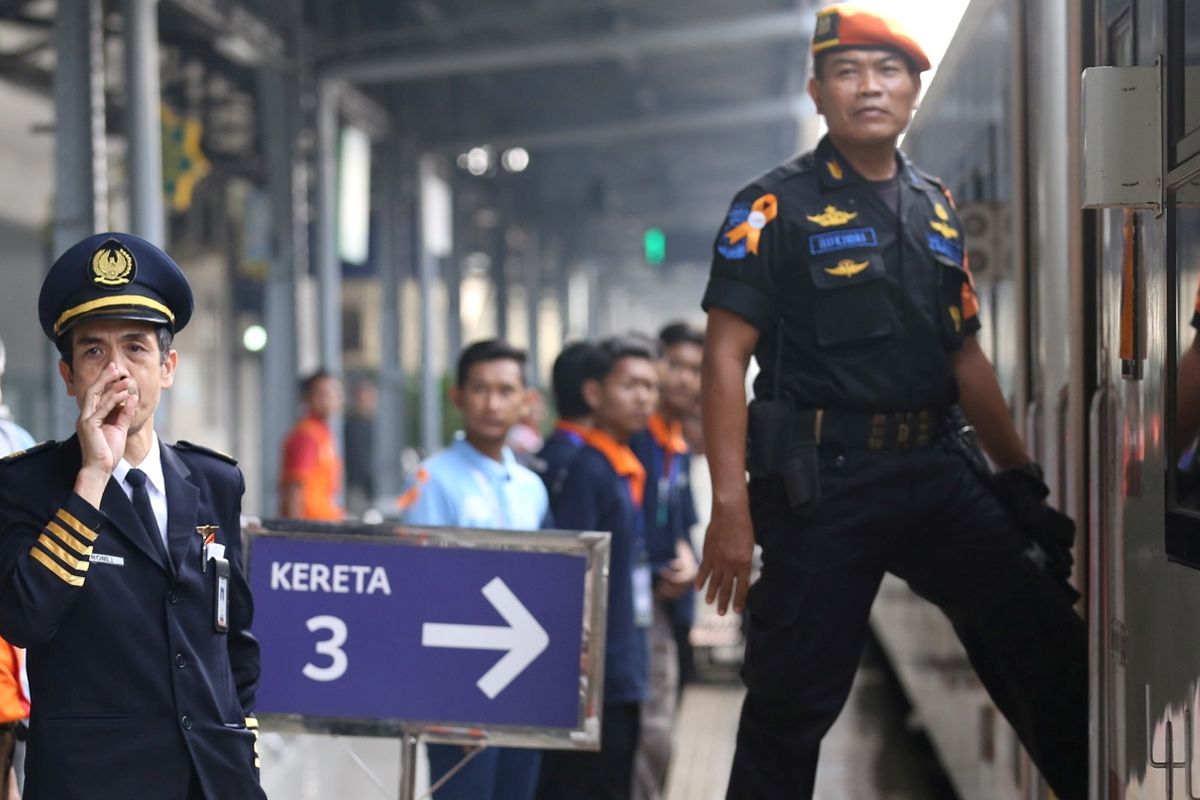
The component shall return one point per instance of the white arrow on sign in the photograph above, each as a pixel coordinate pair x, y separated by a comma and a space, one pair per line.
523, 638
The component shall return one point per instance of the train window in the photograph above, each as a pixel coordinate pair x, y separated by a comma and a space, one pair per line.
1121, 40
1183, 62
1183, 428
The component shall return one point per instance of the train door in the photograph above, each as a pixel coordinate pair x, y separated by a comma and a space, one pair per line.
1116, 440
1145, 522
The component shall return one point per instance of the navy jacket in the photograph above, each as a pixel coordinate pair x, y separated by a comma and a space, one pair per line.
133, 688
669, 514
593, 497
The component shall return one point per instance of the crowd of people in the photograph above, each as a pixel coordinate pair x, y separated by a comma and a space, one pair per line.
121, 555
617, 459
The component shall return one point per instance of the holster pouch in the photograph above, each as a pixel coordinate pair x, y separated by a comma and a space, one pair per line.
779, 444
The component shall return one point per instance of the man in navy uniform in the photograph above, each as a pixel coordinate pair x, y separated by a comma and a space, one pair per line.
574, 416
843, 271
120, 557
602, 490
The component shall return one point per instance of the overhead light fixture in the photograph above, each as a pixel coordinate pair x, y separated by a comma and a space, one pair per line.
254, 338
515, 159
478, 160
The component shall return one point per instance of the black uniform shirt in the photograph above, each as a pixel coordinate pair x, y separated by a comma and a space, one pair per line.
858, 309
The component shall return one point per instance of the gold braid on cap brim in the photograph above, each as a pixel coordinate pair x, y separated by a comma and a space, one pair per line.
108, 302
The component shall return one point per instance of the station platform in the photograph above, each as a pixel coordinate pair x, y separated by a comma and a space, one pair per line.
870, 754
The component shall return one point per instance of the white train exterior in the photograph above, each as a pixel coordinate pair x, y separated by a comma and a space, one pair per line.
1087, 312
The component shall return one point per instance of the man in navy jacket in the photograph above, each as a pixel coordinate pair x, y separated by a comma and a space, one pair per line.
120, 558
602, 491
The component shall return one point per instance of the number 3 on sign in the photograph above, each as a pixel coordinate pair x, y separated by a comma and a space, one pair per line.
331, 647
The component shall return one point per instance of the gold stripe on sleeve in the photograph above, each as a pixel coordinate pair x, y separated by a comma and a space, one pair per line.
78, 564
48, 562
83, 530
69, 539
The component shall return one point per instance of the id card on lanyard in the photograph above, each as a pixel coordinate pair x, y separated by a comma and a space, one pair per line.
662, 510
643, 591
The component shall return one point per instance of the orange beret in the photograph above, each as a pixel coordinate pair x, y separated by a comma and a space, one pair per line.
847, 25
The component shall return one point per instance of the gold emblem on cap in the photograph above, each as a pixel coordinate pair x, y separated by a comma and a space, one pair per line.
832, 216
112, 264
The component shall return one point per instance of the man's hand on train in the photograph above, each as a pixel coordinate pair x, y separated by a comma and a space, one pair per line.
728, 548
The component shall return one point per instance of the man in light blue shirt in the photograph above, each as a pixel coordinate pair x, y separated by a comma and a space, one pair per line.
13, 437
476, 482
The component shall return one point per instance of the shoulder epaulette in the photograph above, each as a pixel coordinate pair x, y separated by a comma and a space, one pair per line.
206, 451
20, 454
932, 179
789, 169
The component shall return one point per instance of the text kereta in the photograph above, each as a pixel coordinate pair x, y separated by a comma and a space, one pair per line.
299, 576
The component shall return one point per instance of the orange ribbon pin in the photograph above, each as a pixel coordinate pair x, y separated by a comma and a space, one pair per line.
762, 211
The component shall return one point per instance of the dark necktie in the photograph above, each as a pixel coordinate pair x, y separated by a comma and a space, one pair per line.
141, 505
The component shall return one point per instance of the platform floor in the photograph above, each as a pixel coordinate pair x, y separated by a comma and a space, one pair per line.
869, 755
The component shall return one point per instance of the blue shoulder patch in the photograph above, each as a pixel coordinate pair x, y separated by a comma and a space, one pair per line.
738, 213
940, 244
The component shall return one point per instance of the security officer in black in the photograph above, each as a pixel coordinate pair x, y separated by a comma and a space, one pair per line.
120, 558
843, 272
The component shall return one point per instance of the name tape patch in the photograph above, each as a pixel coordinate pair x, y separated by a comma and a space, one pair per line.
821, 243
103, 558
940, 244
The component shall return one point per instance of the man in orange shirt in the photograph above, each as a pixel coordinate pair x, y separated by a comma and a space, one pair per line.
312, 468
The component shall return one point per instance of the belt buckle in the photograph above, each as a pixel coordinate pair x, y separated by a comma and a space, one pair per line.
903, 427
877, 437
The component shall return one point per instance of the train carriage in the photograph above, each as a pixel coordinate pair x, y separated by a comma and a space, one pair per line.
1090, 311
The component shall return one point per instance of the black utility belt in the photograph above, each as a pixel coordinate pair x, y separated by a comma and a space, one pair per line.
895, 430
784, 441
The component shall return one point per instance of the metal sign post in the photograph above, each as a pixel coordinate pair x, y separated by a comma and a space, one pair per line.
445, 634
408, 767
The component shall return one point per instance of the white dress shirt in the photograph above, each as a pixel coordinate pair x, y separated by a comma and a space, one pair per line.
156, 485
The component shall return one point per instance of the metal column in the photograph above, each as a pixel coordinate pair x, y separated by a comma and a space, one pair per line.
279, 362
596, 300
452, 275
142, 121
429, 266
563, 288
81, 167
329, 272
328, 269
390, 414
500, 280
533, 299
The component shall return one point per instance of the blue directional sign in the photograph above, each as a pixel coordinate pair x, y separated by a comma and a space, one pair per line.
430, 629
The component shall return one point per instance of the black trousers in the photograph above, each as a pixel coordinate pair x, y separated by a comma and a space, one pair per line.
924, 516
603, 775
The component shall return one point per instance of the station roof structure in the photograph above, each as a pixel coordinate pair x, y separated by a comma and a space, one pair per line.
634, 114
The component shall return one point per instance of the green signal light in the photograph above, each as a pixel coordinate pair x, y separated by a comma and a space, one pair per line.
654, 244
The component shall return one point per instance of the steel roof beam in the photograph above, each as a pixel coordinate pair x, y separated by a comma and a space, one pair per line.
699, 123
748, 29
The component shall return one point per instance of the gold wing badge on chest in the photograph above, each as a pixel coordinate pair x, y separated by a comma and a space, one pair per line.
847, 268
832, 216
